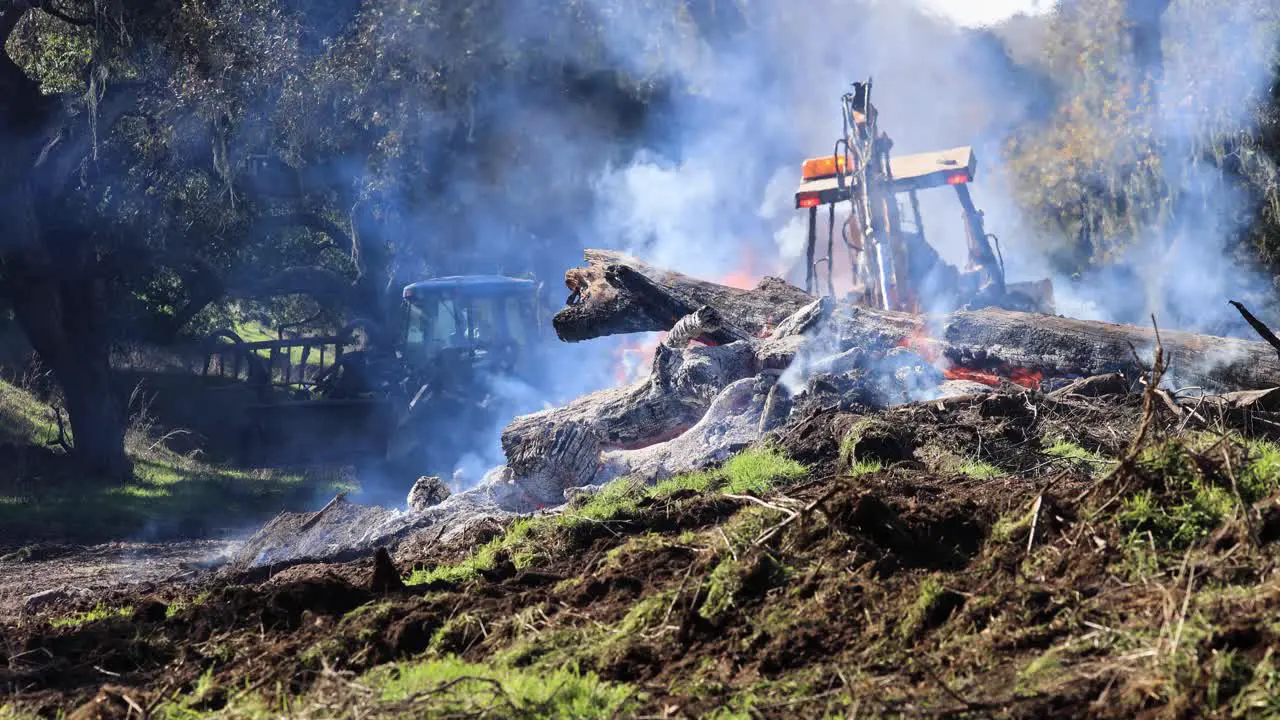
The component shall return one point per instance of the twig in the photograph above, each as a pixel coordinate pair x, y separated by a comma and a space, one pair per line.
1035, 522
680, 589
1254, 536
945, 687
134, 706
761, 503
727, 544
1182, 618
767, 534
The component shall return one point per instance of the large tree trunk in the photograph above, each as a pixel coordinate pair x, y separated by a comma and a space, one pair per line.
45, 272
64, 321
622, 295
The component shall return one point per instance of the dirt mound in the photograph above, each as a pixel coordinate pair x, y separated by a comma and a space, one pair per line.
1002, 555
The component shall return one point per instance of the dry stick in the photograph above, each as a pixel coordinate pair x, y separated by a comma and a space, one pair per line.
1035, 522
766, 535
1182, 619
1148, 413
680, 589
761, 503
1258, 326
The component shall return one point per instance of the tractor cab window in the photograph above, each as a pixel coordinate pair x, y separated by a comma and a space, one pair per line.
416, 330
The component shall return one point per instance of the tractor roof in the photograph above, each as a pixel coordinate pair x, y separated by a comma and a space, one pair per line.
469, 285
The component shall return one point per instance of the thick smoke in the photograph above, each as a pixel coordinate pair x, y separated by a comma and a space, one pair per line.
775, 92
705, 186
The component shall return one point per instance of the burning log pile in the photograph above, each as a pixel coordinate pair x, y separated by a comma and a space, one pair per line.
765, 355
739, 365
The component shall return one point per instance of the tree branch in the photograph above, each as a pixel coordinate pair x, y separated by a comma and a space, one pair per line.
326, 286
308, 220
47, 6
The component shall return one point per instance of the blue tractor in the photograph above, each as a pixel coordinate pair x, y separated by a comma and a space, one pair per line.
405, 398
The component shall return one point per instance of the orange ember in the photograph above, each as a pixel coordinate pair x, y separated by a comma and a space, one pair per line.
1029, 379
920, 343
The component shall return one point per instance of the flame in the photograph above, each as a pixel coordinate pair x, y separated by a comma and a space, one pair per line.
926, 347
633, 359
746, 275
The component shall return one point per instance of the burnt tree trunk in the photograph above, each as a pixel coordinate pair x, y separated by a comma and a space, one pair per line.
617, 294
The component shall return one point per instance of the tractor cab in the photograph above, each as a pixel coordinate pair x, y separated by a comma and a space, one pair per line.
486, 321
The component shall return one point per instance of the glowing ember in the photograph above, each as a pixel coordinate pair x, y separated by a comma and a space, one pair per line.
921, 344
1029, 379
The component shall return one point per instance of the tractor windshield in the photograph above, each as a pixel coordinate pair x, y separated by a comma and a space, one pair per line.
438, 322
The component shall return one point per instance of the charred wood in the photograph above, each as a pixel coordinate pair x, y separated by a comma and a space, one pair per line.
616, 294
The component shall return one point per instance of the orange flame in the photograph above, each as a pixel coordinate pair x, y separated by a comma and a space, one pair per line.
926, 347
633, 359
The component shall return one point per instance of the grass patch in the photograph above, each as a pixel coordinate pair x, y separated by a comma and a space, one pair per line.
933, 605
170, 495
526, 540
754, 471
978, 470
1185, 508
1076, 455
100, 612
176, 607
865, 467
451, 686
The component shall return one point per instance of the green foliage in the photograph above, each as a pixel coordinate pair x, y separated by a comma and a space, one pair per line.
1080, 457
865, 467
978, 469
1186, 506
723, 584
167, 488
1102, 171
928, 601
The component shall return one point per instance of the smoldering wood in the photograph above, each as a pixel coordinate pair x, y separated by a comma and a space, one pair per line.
620, 295
617, 294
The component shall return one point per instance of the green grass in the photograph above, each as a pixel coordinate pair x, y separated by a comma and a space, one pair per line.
930, 593
24, 419
176, 607
458, 687
101, 612
1079, 456
1187, 506
252, 331
171, 493
753, 471
978, 470
865, 467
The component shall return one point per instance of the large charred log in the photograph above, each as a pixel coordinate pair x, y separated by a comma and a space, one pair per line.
617, 294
